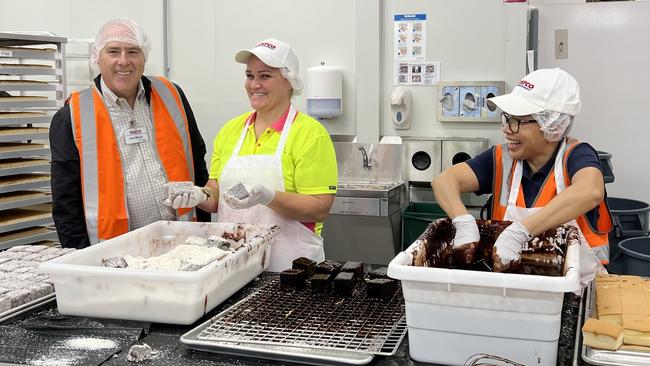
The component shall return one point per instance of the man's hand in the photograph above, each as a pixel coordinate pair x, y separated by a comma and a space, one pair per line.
184, 195
507, 248
466, 230
258, 195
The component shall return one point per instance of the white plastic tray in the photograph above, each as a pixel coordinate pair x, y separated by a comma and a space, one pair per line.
84, 287
454, 314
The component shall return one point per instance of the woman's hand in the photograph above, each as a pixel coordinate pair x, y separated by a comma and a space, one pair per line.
258, 195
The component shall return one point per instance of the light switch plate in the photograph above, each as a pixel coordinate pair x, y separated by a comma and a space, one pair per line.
561, 44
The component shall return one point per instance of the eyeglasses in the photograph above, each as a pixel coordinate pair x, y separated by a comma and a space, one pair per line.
513, 123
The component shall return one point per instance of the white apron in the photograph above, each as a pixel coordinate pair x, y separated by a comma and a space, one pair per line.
294, 239
589, 263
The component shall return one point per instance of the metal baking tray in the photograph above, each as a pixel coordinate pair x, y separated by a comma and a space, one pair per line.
25, 308
279, 353
603, 357
307, 327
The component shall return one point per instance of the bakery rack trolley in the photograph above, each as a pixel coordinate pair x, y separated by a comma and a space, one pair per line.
32, 88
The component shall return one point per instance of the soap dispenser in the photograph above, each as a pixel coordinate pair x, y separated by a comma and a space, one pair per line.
400, 108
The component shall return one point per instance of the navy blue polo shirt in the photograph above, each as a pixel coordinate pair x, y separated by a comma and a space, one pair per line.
582, 156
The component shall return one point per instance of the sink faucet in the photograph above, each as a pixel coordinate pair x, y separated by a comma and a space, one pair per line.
366, 162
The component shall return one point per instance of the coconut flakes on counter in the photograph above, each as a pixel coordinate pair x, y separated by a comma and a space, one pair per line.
90, 343
140, 352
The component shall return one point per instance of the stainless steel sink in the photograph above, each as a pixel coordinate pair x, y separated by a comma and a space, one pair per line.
368, 189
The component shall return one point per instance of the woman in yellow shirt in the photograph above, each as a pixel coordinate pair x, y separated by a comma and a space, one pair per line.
283, 157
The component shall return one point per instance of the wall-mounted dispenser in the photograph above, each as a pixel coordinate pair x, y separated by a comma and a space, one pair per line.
324, 91
465, 101
400, 108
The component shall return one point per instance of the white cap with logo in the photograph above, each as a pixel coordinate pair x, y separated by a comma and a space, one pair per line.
542, 90
276, 54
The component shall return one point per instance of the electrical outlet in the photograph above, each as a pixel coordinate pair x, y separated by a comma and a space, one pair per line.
561, 44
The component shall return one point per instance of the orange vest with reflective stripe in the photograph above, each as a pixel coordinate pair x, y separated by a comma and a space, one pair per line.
502, 181
103, 186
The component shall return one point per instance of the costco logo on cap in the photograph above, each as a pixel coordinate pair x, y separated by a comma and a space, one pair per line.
266, 44
526, 85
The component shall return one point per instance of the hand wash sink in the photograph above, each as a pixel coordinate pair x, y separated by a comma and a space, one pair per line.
368, 189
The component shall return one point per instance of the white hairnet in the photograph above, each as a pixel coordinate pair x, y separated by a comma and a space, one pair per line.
555, 125
120, 30
293, 79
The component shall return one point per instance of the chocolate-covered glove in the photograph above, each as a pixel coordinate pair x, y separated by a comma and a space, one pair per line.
507, 248
184, 195
466, 230
258, 195
466, 240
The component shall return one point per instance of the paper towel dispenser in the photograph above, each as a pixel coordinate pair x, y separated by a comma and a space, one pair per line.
324, 91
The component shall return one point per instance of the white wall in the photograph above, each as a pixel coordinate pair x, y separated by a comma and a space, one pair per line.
82, 19
475, 40
206, 35
609, 55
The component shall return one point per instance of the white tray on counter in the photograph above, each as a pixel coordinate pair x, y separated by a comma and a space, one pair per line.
84, 287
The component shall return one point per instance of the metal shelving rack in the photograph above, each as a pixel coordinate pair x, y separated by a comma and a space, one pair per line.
33, 87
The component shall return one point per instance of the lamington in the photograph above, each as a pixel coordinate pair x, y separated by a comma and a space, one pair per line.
382, 288
328, 267
306, 264
354, 267
378, 273
292, 279
344, 283
321, 282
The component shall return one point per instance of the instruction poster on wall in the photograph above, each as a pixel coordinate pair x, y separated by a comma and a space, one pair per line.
410, 37
416, 73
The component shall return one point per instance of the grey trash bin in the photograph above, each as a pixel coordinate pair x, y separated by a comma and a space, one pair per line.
635, 256
630, 219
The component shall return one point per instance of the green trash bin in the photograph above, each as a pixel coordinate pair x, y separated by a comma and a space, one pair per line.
415, 219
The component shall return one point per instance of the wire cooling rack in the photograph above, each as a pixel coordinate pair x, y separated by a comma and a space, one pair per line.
307, 319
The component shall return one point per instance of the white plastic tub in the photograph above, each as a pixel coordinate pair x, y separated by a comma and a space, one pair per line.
84, 287
453, 315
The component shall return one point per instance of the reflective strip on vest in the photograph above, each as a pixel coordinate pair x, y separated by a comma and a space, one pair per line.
171, 126
102, 176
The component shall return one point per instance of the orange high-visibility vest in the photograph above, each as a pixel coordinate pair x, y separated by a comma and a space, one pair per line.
102, 176
503, 169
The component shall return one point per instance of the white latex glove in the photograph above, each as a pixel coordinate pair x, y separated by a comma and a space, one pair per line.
186, 197
507, 248
258, 195
589, 265
466, 230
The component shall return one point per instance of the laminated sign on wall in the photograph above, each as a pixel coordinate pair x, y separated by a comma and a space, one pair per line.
410, 37
416, 73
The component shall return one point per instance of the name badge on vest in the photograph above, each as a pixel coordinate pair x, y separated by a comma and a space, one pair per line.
136, 135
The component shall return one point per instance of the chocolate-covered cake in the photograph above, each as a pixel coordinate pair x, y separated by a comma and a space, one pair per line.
543, 255
381, 272
328, 267
344, 283
306, 264
292, 278
382, 288
354, 267
321, 282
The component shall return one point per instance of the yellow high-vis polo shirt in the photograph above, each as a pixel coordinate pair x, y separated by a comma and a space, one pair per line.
308, 159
